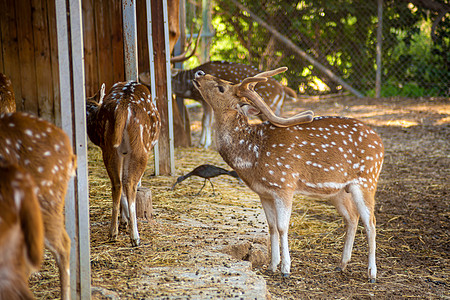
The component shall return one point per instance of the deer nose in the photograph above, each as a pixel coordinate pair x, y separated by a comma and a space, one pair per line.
199, 73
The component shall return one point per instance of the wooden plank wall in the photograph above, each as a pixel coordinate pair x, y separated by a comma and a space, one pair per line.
103, 42
28, 50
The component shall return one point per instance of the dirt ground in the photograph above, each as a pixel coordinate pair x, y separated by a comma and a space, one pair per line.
412, 210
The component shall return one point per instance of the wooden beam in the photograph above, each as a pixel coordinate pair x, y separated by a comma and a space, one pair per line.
72, 90
130, 39
164, 103
379, 42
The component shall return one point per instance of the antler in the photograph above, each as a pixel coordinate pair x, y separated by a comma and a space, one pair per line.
246, 89
183, 56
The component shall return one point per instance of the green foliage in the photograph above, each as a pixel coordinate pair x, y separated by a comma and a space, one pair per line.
410, 89
341, 35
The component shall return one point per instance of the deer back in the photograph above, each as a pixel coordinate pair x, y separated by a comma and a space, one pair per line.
322, 156
126, 108
7, 98
42, 149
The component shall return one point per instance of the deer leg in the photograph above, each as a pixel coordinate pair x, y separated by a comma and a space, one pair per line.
283, 213
271, 216
364, 201
130, 190
347, 209
58, 242
124, 212
113, 163
134, 167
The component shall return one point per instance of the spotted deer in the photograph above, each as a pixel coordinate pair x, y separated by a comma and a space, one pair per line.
7, 98
271, 91
125, 124
21, 231
333, 158
45, 152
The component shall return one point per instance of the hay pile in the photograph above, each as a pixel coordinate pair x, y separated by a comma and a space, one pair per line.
413, 217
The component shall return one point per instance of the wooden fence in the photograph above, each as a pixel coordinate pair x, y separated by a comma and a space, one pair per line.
29, 53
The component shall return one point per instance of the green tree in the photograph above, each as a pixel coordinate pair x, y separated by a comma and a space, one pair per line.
341, 35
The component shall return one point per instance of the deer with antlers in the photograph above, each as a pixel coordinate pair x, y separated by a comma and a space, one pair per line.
271, 91
45, 152
334, 158
125, 124
21, 231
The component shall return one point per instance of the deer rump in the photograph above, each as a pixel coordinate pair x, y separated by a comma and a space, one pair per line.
129, 144
120, 122
125, 125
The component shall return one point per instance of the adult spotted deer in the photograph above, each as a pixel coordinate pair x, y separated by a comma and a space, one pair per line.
45, 152
334, 158
7, 99
125, 124
271, 91
21, 231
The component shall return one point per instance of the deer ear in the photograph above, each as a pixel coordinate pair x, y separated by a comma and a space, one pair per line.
174, 72
102, 94
144, 78
248, 110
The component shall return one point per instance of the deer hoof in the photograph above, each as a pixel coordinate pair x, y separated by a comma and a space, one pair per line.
123, 226
285, 275
134, 243
372, 280
338, 269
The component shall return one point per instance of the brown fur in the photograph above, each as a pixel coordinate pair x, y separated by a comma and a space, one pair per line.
273, 92
21, 231
334, 158
125, 125
45, 151
7, 98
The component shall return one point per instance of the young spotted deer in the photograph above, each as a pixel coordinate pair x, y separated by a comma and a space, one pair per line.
334, 158
125, 124
271, 91
45, 152
21, 231
7, 99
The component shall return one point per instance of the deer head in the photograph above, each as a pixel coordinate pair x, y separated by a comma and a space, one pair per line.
243, 98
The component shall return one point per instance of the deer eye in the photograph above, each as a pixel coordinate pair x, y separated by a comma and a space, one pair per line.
221, 89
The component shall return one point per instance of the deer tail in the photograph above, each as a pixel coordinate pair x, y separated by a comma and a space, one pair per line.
121, 116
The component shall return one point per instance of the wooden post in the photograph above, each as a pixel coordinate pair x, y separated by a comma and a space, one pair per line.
207, 31
179, 48
73, 116
130, 39
379, 41
164, 103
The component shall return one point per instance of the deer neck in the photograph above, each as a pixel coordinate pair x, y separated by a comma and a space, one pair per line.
238, 142
92, 120
182, 83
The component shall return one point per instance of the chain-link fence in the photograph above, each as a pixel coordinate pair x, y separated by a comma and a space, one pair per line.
331, 46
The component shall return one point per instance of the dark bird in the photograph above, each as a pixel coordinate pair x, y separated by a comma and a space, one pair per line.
206, 171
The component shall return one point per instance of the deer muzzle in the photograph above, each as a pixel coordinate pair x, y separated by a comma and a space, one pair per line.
198, 74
